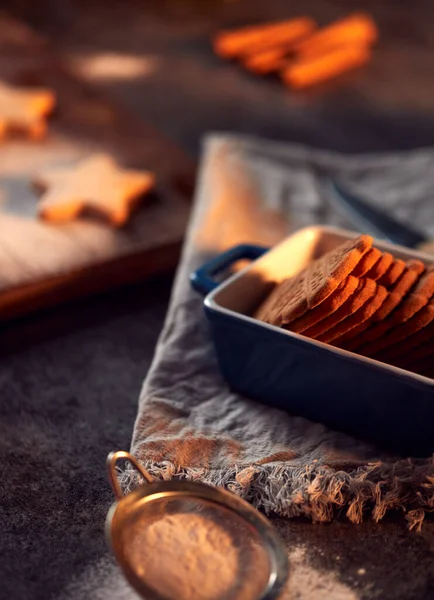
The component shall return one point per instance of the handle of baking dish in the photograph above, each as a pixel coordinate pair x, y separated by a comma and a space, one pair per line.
202, 280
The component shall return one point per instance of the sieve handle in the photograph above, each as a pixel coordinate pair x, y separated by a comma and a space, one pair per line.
112, 459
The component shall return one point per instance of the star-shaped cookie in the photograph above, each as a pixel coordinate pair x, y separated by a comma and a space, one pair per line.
25, 110
96, 184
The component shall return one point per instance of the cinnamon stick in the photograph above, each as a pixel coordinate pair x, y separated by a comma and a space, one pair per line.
247, 40
305, 73
267, 61
358, 29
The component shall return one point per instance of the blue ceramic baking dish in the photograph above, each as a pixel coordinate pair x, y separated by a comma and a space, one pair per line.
366, 398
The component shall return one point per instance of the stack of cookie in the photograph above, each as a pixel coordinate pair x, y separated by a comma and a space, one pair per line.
363, 300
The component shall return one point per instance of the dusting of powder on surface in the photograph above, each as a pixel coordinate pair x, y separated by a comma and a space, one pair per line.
187, 557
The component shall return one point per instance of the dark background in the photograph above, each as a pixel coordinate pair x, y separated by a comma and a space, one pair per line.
70, 377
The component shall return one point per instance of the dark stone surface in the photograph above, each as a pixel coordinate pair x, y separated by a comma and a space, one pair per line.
69, 379
381, 561
69, 383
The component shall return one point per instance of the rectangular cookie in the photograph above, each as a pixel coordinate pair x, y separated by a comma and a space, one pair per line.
334, 335
293, 297
361, 334
326, 308
380, 268
420, 320
367, 263
408, 308
365, 290
409, 348
394, 272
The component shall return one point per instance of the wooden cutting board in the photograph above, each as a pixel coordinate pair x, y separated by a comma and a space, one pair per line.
43, 264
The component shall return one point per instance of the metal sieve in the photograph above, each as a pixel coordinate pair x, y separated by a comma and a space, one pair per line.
181, 540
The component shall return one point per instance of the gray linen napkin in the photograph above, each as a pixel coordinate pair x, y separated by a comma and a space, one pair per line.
191, 425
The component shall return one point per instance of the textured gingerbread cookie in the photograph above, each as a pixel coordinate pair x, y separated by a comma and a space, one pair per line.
25, 110
335, 334
96, 184
365, 290
381, 267
326, 308
409, 306
417, 343
420, 320
392, 275
296, 295
359, 335
367, 262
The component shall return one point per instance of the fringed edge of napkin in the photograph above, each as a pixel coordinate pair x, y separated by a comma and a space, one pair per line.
316, 491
